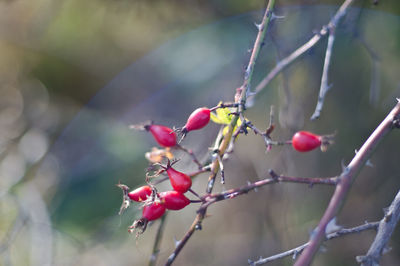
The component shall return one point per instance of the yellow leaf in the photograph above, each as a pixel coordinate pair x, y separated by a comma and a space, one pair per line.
215, 119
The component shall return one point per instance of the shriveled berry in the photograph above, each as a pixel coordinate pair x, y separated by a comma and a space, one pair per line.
140, 194
153, 211
165, 136
179, 181
197, 120
304, 141
174, 200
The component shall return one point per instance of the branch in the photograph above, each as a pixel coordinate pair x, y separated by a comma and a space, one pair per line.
295, 251
324, 79
157, 241
240, 98
304, 48
233, 193
345, 180
385, 231
191, 154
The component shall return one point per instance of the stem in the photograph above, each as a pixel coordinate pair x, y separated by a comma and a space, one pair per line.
287, 61
157, 241
345, 180
324, 79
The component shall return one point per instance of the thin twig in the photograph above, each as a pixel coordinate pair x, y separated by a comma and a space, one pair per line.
233, 193
157, 241
345, 180
191, 154
266, 136
385, 231
287, 61
296, 251
325, 73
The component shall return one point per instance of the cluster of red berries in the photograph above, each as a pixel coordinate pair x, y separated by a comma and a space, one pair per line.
155, 204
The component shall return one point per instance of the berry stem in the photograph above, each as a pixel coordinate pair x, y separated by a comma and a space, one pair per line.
157, 241
191, 154
194, 193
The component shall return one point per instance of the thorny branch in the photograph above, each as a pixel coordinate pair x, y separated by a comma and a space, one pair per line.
287, 61
385, 231
296, 251
345, 180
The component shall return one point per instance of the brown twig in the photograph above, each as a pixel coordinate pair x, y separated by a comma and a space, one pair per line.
157, 241
296, 251
345, 180
191, 154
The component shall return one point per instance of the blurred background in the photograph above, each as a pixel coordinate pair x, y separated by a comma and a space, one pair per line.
75, 74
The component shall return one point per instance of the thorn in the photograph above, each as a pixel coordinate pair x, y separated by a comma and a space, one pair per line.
176, 242
343, 165
198, 227
276, 16
295, 254
368, 163
258, 26
386, 250
323, 249
332, 226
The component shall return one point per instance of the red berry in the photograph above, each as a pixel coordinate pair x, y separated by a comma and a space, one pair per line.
304, 141
197, 120
179, 181
140, 194
165, 136
153, 211
174, 200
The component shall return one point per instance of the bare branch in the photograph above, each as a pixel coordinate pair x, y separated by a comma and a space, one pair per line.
385, 231
157, 241
345, 180
191, 154
304, 48
233, 193
296, 251
324, 79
